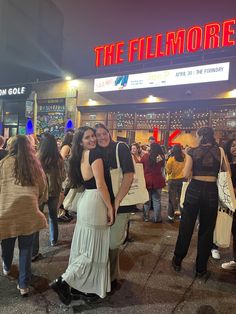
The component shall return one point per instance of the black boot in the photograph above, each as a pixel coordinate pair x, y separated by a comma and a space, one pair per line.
62, 289
176, 263
203, 275
87, 297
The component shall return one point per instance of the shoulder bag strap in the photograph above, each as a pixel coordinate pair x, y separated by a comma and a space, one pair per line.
117, 156
222, 157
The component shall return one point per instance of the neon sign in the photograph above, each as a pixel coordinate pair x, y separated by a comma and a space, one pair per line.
170, 139
210, 36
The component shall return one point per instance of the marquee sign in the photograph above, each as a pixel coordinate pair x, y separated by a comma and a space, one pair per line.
210, 36
191, 75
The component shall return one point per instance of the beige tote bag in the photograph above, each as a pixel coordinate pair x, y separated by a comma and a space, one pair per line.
183, 192
71, 200
138, 193
227, 206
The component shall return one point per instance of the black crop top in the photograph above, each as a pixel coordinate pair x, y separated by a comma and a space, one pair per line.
206, 160
94, 154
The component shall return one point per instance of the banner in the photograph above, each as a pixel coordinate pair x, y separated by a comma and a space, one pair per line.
191, 75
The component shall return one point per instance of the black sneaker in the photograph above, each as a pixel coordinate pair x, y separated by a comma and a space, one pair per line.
62, 289
176, 264
204, 275
63, 219
171, 219
36, 257
116, 285
53, 243
68, 215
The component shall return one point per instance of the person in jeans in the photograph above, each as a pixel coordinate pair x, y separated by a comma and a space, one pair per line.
201, 200
22, 187
153, 162
230, 150
53, 167
174, 169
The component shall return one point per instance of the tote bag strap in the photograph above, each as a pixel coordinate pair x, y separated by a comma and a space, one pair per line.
222, 157
117, 156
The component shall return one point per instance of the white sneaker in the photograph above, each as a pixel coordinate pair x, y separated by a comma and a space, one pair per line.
229, 265
5, 272
23, 291
215, 254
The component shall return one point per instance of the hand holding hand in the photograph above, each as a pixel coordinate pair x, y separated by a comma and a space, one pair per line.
110, 216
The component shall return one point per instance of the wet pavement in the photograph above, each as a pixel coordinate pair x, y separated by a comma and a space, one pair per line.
148, 285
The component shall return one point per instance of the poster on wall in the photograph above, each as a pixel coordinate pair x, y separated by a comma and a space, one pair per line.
29, 109
51, 116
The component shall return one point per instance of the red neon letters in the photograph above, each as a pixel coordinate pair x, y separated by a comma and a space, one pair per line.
210, 36
170, 139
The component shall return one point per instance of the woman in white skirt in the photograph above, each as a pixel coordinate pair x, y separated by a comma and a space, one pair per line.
88, 273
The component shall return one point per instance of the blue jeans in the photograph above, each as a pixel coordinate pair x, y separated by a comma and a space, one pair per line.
155, 196
52, 221
25, 251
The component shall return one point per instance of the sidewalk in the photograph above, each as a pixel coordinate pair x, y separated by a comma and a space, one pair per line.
149, 284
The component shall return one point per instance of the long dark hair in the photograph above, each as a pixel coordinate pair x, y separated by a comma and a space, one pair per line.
155, 150
67, 139
74, 174
227, 148
207, 135
177, 153
48, 153
27, 169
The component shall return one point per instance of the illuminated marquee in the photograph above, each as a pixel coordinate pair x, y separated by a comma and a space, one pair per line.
210, 36
181, 76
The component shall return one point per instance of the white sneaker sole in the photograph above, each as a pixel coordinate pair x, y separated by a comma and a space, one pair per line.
23, 291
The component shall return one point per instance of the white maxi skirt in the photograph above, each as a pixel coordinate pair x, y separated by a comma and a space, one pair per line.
89, 268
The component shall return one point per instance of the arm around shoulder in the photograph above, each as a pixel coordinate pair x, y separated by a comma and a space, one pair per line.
98, 172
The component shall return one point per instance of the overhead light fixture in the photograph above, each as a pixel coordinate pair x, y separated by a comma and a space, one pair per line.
73, 83
68, 78
232, 93
92, 102
152, 98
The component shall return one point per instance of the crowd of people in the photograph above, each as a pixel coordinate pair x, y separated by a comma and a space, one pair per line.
43, 174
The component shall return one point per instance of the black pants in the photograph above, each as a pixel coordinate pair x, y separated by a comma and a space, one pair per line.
234, 235
201, 200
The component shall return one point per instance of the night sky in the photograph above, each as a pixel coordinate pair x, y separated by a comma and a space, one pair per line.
89, 23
